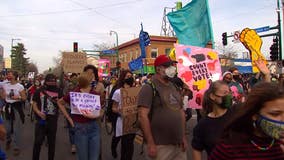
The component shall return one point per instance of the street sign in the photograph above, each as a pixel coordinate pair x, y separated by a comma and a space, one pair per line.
237, 35
108, 52
262, 29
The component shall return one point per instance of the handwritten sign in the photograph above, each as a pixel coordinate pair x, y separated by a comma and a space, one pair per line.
129, 98
197, 67
73, 62
85, 102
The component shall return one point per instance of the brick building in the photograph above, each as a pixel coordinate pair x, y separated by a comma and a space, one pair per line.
130, 50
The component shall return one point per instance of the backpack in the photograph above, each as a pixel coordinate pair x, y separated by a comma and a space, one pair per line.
111, 116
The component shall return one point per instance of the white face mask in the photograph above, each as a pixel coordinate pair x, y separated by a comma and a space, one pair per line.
170, 71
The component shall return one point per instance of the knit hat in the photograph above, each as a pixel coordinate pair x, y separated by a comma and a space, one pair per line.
225, 73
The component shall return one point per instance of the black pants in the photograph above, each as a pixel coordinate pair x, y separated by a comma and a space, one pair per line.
49, 130
127, 146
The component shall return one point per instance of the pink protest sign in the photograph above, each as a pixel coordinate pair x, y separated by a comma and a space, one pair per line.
197, 67
104, 67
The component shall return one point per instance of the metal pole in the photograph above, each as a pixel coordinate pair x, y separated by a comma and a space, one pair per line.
279, 30
13, 39
116, 35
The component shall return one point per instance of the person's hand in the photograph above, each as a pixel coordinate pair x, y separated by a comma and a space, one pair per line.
88, 114
152, 150
184, 146
260, 64
16, 97
42, 115
71, 122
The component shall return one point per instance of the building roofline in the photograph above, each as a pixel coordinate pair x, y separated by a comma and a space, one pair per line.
152, 38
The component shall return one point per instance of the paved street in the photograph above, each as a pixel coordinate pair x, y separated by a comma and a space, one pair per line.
63, 146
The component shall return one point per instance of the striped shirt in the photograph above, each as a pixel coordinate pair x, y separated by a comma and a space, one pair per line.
247, 151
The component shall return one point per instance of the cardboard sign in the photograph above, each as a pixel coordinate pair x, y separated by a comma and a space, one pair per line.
197, 67
73, 62
252, 41
85, 103
129, 99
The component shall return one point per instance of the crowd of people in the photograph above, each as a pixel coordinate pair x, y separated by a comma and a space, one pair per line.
241, 118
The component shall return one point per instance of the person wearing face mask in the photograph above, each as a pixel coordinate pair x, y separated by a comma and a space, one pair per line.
125, 80
236, 86
216, 105
256, 131
161, 115
46, 109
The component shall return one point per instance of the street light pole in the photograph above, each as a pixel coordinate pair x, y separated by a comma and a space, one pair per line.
116, 35
13, 39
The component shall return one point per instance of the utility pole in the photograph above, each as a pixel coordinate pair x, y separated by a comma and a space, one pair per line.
279, 29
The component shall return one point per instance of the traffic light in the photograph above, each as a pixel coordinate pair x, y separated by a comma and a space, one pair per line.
224, 38
274, 50
75, 46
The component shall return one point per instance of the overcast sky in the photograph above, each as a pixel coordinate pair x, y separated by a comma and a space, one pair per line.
47, 27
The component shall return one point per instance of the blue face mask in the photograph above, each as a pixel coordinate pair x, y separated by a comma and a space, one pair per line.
270, 127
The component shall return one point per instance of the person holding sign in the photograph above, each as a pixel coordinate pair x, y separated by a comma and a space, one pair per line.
125, 80
161, 114
85, 110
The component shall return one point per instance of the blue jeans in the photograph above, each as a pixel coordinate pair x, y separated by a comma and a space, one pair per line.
87, 140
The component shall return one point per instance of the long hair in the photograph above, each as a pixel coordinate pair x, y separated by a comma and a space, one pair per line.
95, 70
207, 103
120, 81
242, 122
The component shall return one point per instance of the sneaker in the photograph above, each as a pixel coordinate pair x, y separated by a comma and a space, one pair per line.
16, 151
73, 149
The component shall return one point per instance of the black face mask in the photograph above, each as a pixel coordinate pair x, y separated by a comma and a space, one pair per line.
236, 77
129, 81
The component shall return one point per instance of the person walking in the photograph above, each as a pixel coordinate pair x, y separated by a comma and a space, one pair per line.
46, 109
86, 126
255, 132
161, 115
216, 104
125, 80
14, 94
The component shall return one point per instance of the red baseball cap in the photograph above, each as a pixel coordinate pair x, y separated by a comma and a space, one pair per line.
163, 60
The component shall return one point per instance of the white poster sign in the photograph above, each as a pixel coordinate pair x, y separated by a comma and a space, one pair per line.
85, 103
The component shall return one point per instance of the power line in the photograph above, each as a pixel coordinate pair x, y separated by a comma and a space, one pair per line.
107, 17
68, 11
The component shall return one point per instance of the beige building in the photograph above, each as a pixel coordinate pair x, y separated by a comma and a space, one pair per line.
7, 62
131, 50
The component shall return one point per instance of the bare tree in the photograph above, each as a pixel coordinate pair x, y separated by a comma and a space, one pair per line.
228, 52
102, 46
32, 67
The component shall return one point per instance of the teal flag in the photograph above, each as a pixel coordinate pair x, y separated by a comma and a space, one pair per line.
192, 23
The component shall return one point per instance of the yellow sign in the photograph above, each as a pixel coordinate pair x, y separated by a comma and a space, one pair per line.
251, 40
73, 62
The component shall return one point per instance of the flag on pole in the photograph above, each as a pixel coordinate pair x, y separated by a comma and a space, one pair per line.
144, 40
192, 23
